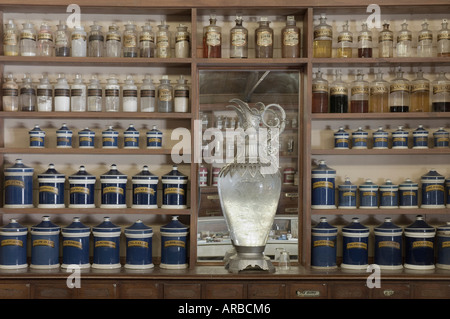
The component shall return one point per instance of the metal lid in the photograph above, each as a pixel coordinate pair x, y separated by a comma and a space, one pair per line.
45, 225
388, 227
51, 172
13, 227
76, 227
138, 228
175, 226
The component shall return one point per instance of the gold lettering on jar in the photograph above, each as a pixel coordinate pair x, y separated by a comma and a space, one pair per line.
264, 39
404, 37
319, 87
441, 88
386, 36
360, 90
78, 36
444, 35
290, 37
213, 38
345, 38
129, 41
378, 90
420, 87
399, 87
322, 33
338, 90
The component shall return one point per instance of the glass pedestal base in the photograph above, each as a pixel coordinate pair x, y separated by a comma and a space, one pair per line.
248, 259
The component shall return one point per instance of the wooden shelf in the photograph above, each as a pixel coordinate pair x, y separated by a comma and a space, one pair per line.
371, 62
382, 211
380, 116
86, 151
390, 151
102, 211
253, 62
95, 115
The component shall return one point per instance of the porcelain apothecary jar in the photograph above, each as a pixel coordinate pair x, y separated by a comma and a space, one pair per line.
75, 242
106, 245
45, 245
139, 246
173, 245
323, 245
13, 245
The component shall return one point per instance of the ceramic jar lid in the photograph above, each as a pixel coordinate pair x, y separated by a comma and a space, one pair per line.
64, 130
174, 176
113, 173
433, 176
37, 131
323, 169
409, 184
388, 186
45, 226
86, 132
347, 185
13, 228
52, 174
144, 175
138, 229
82, 174
76, 228
106, 228
419, 228
444, 230
368, 185
174, 227
110, 131
154, 131
324, 228
19, 168
355, 228
388, 228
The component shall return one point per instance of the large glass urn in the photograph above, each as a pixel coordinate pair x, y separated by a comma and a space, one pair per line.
249, 187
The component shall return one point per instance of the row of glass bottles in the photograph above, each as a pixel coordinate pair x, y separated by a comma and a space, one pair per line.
95, 43
323, 35
398, 95
79, 97
264, 39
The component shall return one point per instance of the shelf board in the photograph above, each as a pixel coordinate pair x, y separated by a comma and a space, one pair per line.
86, 151
253, 62
104, 211
381, 211
379, 116
390, 151
368, 62
95, 115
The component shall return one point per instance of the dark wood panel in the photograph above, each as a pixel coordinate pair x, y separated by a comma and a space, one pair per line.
308, 291
392, 291
266, 291
349, 290
97, 290
224, 291
182, 291
140, 290
431, 290
52, 290
15, 291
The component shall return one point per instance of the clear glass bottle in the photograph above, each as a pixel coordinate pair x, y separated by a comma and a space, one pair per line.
112, 94
44, 94
27, 97
323, 35
399, 93
420, 93
62, 94
425, 41
113, 43
45, 43
28, 40
78, 95
129, 95
96, 44
163, 41
264, 39
10, 39
182, 42
239, 40
365, 42
441, 94
94, 95
79, 43
338, 95
290, 39
147, 42
359, 99
443, 40
62, 40
181, 95
379, 94
212, 39
345, 42
386, 42
10, 94
404, 40
130, 41
147, 95
320, 94
165, 95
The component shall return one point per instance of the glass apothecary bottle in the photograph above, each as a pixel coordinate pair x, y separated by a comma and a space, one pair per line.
323, 35
10, 39
404, 40
443, 40
359, 99
79, 43
386, 42
165, 95
10, 94
45, 43
182, 42
425, 41
62, 94
96, 44
181, 95
28, 40
319, 94
113, 43
290, 39
112, 94
78, 94
345, 42
212, 39
129, 95
365, 42
238, 40
420, 93
147, 42
441, 94
163, 41
44, 94
62, 40
379, 94
130, 41
94, 95
399, 93
264, 39
338, 95
27, 95
147, 95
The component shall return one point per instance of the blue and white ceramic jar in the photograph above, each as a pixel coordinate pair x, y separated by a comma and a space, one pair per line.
18, 186
110, 138
323, 187
106, 245
154, 138
139, 246
145, 189
441, 138
45, 245
408, 194
64, 137
323, 245
433, 190
368, 195
81, 189
75, 244
388, 195
359, 139
13, 245
173, 245
37, 137
419, 245
355, 245
86, 138
51, 188
443, 246
380, 139
420, 138
347, 195
341, 139
113, 188
174, 186
447, 191
388, 245
131, 138
400, 138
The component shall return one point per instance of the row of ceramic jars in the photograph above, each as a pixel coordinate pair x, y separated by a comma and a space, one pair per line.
420, 241
19, 188
75, 242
